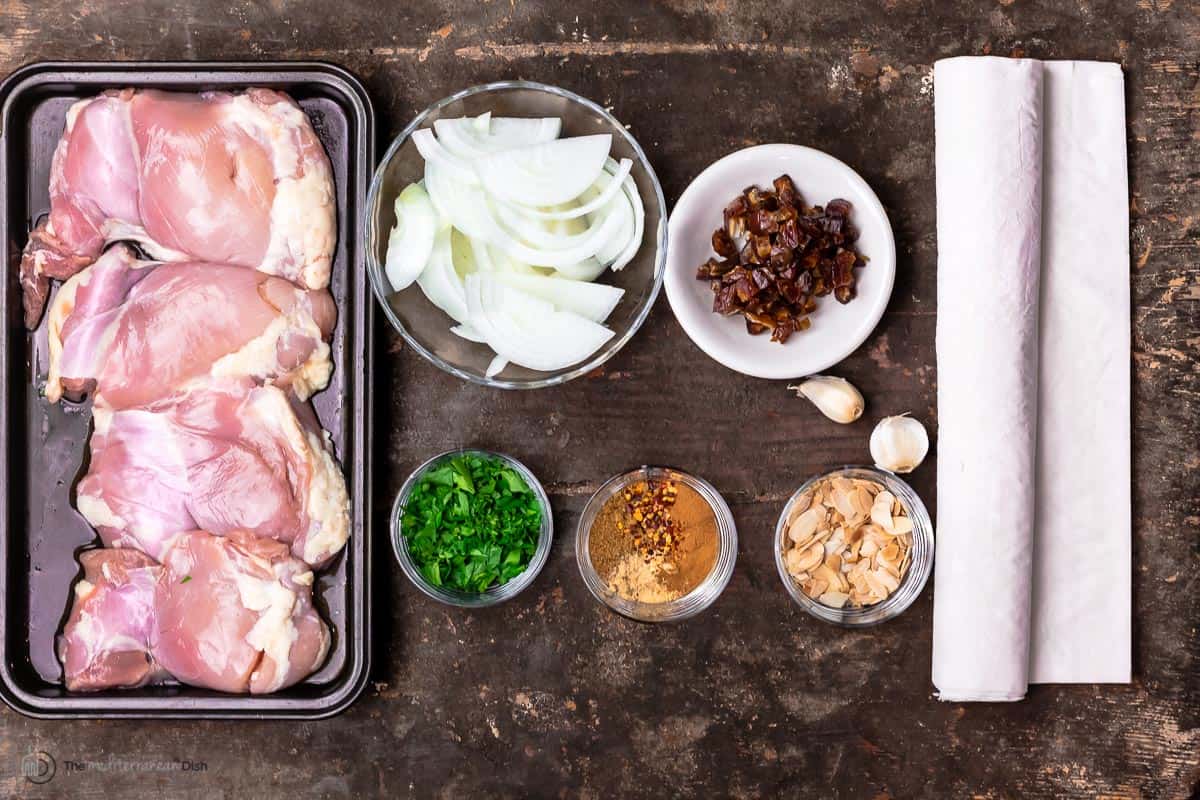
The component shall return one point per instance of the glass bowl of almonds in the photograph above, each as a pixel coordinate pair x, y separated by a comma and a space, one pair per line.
854, 546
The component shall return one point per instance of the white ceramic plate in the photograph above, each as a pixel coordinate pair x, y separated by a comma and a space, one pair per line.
837, 330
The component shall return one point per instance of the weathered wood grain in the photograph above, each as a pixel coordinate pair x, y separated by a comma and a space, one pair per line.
551, 695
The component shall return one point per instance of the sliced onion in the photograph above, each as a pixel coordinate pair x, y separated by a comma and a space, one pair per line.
547, 236
468, 211
510, 132
595, 301
616, 245
567, 227
462, 253
496, 366
611, 185
559, 257
462, 205
411, 240
484, 262
508, 317
432, 151
467, 332
475, 137
510, 227
459, 137
440, 282
503, 262
545, 174
587, 270
639, 220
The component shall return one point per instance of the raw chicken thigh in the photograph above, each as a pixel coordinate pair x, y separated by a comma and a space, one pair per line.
106, 643
221, 457
230, 613
243, 620
137, 330
210, 481
235, 179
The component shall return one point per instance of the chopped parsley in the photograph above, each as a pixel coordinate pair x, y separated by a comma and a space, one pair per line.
471, 523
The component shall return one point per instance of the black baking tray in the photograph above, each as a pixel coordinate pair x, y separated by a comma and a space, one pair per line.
44, 445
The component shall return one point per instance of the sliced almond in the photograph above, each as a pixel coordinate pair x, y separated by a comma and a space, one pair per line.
881, 511
816, 587
802, 504
863, 499
792, 561
851, 542
844, 504
889, 582
811, 557
836, 579
877, 588
890, 553
805, 525
834, 599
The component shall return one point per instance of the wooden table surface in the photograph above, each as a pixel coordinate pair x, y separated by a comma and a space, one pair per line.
552, 695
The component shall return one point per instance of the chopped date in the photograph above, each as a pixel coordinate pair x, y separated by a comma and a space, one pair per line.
789, 234
714, 269
724, 301
762, 247
788, 290
762, 221
758, 323
722, 244
838, 208
776, 256
785, 190
745, 289
781, 258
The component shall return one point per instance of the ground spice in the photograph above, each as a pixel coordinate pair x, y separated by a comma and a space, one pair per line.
655, 541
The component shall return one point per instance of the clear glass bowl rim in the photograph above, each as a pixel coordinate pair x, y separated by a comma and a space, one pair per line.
375, 269
496, 594
690, 604
914, 580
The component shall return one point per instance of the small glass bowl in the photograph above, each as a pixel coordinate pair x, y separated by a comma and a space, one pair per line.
918, 569
496, 594
425, 327
680, 608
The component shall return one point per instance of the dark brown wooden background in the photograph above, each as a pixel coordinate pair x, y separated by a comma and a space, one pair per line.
552, 695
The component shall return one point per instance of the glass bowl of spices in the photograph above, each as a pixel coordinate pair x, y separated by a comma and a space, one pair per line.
656, 545
854, 546
472, 528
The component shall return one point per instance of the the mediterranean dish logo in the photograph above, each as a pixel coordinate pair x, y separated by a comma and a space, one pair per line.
40, 767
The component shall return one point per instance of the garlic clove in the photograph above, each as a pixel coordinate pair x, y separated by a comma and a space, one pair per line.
836, 398
899, 444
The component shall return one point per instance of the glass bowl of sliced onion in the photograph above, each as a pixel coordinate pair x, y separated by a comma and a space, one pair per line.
516, 235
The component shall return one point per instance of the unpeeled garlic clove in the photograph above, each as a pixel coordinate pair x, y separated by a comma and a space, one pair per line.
836, 398
899, 444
